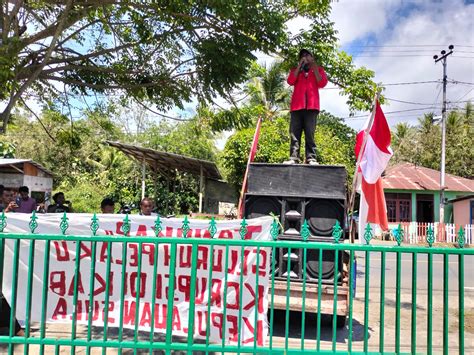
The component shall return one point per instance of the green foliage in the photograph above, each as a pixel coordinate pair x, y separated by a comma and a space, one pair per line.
7, 150
166, 53
176, 138
421, 145
86, 170
334, 145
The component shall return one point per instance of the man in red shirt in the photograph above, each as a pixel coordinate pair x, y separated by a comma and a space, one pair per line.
307, 78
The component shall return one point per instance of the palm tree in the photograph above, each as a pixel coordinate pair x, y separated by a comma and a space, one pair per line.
267, 88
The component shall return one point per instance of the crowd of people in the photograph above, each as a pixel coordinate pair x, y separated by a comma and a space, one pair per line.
22, 202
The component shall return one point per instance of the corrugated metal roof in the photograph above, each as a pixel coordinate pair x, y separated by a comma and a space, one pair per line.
14, 162
163, 162
407, 176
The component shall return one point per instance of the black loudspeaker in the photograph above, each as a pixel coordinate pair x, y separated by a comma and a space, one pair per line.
296, 193
299, 180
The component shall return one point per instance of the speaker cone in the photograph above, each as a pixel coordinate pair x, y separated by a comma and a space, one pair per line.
312, 265
258, 206
322, 215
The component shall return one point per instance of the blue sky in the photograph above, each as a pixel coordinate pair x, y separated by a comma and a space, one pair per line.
397, 39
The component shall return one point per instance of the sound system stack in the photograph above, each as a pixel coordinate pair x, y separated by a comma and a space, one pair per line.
295, 193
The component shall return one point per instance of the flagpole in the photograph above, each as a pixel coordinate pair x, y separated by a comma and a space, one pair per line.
355, 178
252, 153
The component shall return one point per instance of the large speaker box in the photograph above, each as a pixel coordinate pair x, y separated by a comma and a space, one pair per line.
296, 193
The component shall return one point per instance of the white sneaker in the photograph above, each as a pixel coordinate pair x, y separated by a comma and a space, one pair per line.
290, 162
313, 162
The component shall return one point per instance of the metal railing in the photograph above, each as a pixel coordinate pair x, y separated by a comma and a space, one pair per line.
418, 232
370, 327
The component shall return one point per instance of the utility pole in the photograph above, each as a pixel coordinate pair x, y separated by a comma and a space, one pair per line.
443, 58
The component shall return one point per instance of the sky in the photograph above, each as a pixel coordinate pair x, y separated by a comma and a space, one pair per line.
397, 40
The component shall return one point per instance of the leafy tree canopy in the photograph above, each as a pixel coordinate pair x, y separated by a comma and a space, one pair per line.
86, 170
162, 52
421, 144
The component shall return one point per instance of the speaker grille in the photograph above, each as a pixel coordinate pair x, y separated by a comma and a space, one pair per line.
322, 214
320, 181
258, 206
328, 264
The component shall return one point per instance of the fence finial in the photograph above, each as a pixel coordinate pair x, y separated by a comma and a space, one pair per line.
212, 228
3, 222
185, 227
94, 225
275, 229
430, 236
64, 225
461, 237
368, 234
398, 233
337, 232
243, 229
305, 233
33, 222
158, 227
126, 226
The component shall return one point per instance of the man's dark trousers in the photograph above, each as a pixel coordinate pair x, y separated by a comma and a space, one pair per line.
303, 120
5, 312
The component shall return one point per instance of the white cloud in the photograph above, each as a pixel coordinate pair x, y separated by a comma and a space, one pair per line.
355, 19
425, 24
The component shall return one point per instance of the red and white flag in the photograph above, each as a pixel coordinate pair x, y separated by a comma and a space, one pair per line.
373, 160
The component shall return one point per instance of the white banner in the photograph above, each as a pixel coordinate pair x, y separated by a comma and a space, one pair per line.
62, 267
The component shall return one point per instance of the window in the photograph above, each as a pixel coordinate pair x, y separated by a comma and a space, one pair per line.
398, 207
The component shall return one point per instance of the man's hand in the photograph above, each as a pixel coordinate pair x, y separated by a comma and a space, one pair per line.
300, 65
11, 206
315, 67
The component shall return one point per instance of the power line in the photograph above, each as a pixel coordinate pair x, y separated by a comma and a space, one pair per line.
408, 45
462, 97
390, 112
407, 102
406, 51
394, 84
460, 82
405, 56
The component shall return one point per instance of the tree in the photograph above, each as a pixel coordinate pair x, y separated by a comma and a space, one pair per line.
86, 170
421, 145
267, 88
166, 53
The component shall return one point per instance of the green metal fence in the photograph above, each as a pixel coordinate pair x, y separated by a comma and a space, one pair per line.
418, 324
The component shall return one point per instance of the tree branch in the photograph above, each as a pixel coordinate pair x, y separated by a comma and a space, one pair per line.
6, 113
158, 113
39, 120
100, 86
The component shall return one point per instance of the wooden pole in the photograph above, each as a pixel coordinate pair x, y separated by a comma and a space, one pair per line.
201, 187
143, 178
253, 152
356, 175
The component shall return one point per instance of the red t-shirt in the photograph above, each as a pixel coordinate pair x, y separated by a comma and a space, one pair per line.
306, 91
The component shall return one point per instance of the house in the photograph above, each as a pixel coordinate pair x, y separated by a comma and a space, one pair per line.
412, 193
463, 210
25, 172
